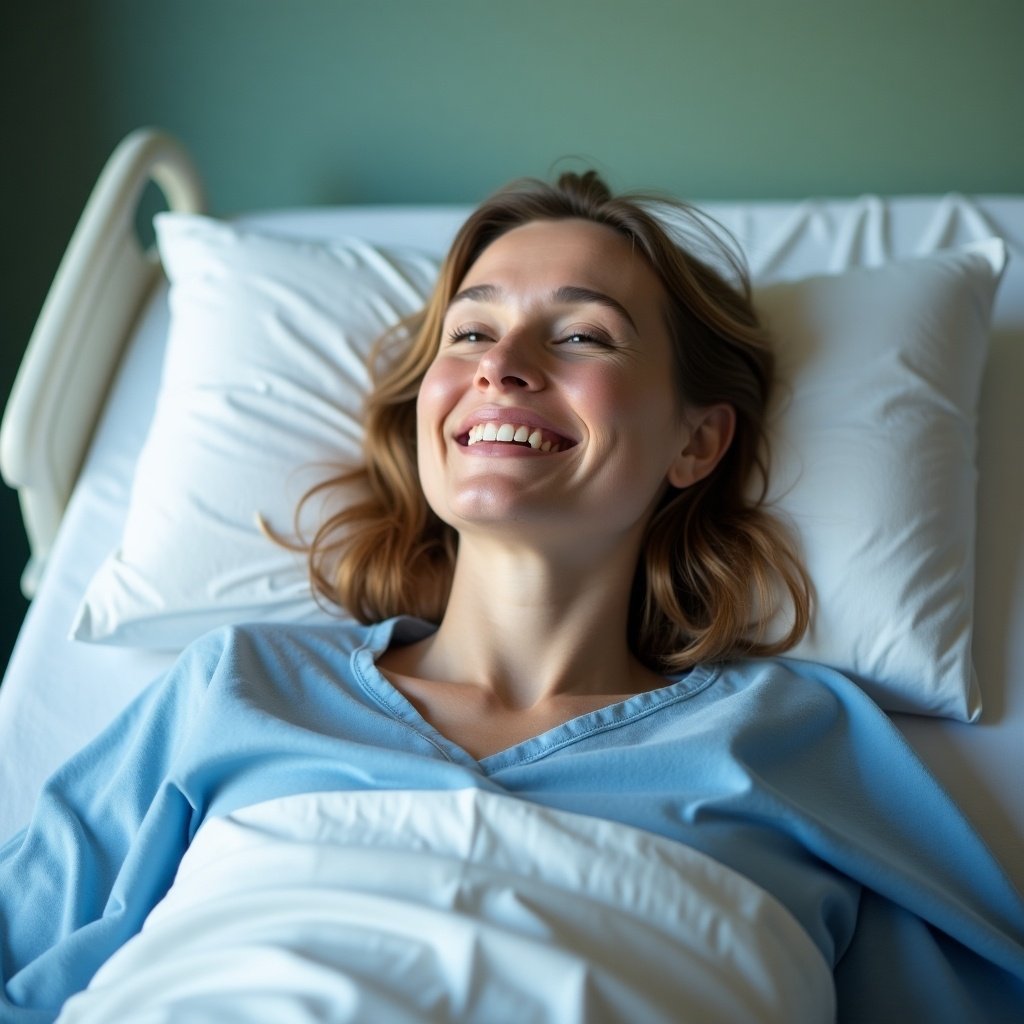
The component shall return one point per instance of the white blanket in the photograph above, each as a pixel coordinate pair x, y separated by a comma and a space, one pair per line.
395, 907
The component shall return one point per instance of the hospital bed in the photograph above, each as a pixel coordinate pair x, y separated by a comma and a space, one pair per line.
897, 447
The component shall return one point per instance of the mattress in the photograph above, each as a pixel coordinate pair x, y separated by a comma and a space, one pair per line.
58, 692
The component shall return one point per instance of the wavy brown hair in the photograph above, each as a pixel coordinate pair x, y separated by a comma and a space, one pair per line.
715, 565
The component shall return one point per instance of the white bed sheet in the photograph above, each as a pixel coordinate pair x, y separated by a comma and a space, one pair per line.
57, 693
281, 909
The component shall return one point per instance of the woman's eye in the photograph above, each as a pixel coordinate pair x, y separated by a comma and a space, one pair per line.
466, 334
583, 338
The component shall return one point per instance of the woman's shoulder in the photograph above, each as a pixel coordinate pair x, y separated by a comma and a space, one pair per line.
792, 685
257, 663
286, 640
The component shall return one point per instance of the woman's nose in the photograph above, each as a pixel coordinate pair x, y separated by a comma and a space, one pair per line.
508, 365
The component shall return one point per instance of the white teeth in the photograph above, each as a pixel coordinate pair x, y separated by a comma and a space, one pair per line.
507, 432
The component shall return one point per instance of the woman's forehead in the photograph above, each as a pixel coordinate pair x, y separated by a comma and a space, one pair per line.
554, 254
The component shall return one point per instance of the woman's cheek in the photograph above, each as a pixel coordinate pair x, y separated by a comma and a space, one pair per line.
437, 395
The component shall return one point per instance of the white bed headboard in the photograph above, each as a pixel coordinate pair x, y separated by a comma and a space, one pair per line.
97, 293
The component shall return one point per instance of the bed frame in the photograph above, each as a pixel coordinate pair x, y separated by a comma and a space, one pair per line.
101, 285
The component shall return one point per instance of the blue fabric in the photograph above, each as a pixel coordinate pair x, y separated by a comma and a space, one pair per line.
784, 771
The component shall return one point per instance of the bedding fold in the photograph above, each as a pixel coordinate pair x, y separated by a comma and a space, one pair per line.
461, 905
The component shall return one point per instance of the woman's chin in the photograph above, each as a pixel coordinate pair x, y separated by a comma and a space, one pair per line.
499, 504
498, 510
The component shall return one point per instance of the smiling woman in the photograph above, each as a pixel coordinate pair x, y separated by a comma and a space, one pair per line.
568, 323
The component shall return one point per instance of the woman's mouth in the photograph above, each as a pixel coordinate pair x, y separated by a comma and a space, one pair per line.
515, 434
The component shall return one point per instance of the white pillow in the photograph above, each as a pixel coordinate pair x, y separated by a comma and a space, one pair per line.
874, 434
262, 389
873, 458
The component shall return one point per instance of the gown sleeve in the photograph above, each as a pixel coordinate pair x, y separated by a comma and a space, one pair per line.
940, 926
101, 848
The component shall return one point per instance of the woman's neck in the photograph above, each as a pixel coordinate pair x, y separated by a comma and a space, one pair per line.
529, 628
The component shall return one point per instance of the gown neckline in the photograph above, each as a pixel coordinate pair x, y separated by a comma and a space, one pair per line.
612, 716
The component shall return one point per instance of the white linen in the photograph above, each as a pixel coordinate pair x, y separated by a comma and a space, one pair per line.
434, 906
261, 398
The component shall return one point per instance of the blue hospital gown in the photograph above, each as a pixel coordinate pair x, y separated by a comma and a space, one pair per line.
782, 770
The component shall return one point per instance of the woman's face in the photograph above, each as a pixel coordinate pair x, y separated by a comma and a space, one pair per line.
551, 405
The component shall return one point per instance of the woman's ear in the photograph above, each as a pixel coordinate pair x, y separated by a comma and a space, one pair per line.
709, 433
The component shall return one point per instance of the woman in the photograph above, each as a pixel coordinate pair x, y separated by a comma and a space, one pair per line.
558, 470
623, 388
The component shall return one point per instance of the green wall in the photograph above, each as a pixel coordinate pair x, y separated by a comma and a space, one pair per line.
287, 102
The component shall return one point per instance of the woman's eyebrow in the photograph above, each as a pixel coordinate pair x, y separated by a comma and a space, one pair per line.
575, 293
477, 293
569, 293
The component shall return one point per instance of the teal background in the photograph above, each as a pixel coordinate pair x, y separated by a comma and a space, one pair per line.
286, 102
